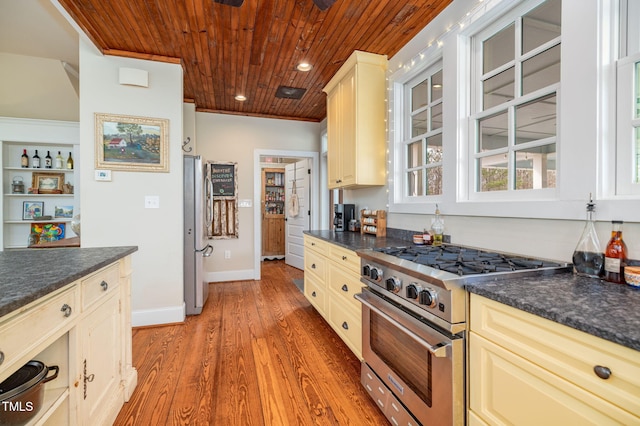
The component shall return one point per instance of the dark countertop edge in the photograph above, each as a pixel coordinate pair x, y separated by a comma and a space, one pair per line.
122, 251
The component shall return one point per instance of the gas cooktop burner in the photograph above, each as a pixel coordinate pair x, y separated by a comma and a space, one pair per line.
465, 261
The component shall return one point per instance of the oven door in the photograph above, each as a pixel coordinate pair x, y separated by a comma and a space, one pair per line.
421, 366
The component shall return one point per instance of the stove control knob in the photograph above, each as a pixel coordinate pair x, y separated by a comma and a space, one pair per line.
366, 270
375, 274
394, 284
427, 298
412, 291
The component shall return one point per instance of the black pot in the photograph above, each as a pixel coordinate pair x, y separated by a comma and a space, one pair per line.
21, 394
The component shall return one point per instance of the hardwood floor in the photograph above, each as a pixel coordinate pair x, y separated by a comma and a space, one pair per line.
259, 354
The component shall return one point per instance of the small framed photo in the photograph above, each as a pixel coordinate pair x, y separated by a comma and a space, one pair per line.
32, 209
63, 211
48, 183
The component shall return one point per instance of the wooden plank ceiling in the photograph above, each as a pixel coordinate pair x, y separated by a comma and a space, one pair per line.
252, 49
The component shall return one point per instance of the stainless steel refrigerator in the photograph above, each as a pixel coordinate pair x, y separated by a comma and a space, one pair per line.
196, 244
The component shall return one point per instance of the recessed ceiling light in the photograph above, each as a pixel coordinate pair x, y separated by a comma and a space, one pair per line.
241, 98
304, 66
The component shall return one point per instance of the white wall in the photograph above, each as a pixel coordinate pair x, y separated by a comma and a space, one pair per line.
233, 138
37, 88
113, 213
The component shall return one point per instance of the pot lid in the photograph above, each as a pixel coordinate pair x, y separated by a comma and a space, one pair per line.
28, 375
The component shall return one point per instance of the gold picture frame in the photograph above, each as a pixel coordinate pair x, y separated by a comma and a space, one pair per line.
48, 183
129, 143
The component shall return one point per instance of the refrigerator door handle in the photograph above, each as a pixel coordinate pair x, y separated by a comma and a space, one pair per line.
206, 252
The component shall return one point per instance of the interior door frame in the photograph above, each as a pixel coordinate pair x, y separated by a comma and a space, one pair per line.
314, 185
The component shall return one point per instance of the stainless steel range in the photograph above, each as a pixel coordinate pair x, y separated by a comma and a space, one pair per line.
414, 322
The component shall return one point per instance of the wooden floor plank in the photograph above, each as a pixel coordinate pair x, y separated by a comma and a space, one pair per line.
259, 354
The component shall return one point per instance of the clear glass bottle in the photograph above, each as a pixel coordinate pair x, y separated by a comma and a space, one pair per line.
615, 255
588, 258
437, 228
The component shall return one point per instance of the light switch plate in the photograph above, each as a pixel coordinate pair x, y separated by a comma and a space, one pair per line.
152, 202
245, 203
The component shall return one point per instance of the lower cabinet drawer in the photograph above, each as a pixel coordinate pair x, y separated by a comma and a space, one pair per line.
315, 293
34, 326
345, 285
100, 284
314, 263
347, 322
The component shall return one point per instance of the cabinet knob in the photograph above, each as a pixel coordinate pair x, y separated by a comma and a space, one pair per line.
602, 372
313, 266
104, 285
313, 294
345, 325
344, 257
1, 357
66, 309
345, 288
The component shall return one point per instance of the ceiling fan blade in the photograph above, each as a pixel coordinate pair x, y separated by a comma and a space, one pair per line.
324, 4
234, 3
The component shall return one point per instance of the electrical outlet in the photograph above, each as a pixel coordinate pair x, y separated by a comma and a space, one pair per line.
227, 254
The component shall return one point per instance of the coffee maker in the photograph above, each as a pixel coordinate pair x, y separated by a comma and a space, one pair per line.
342, 214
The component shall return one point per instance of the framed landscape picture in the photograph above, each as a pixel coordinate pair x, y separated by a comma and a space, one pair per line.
48, 183
63, 211
135, 144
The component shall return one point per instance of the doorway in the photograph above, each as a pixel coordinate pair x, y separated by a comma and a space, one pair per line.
264, 158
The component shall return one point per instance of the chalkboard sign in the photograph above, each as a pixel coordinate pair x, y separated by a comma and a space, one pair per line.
223, 179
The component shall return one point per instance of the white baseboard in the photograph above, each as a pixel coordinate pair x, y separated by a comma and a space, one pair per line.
239, 275
166, 315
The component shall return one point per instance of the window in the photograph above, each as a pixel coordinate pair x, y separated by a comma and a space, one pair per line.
628, 98
516, 80
422, 136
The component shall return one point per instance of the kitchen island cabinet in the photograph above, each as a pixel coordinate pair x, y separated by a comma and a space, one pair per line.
356, 122
524, 369
76, 315
332, 277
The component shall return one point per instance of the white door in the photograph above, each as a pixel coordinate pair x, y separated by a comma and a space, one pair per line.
295, 225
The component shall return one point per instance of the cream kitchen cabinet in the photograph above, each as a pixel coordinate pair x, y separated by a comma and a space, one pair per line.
356, 122
85, 329
331, 278
527, 370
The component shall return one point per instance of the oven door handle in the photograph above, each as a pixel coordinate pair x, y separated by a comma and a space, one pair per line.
438, 352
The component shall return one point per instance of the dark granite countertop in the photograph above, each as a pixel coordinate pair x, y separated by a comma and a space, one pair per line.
27, 275
606, 310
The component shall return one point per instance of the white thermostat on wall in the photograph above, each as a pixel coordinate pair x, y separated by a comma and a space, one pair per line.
103, 175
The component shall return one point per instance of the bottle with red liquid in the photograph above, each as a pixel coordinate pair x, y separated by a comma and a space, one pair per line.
615, 255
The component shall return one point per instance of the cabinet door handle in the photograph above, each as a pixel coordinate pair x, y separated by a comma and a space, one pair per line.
313, 294
1, 357
345, 288
104, 285
344, 257
313, 244
345, 325
66, 309
602, 372
313, 266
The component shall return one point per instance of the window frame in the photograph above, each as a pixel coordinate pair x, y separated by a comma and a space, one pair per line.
400, 130
477, 78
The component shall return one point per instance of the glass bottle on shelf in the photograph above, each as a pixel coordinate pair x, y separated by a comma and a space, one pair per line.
59, 161
588, 258
48, 163
24, 159
615, 255
69, 162
36, 160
